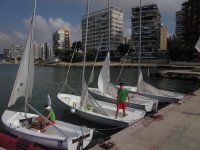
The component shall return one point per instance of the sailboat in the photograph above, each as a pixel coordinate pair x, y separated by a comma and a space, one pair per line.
148, 90
94, 110
59, 135
107, 91
145, 89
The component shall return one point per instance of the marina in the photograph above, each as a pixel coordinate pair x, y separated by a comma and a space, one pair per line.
105, 91
52, 83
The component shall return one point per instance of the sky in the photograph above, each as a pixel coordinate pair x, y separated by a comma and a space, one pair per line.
54, 14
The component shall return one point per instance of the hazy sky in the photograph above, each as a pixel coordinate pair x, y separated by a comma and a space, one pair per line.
52, 14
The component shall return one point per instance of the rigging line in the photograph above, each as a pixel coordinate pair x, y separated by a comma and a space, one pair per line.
95, 60
123, 64
66, 77
87, 19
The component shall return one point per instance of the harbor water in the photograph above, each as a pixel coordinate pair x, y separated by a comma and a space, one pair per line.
49, 80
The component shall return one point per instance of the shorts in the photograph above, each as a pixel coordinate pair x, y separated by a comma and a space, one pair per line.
121, 105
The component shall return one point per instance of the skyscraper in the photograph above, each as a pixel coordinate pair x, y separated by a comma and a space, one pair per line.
150, 31
98, 28
61, 39
163, 38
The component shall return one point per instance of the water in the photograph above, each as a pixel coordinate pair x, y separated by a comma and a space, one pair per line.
50, 80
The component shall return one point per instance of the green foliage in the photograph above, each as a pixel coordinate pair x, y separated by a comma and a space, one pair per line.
123, 48
59, 52
76, 44
177, 51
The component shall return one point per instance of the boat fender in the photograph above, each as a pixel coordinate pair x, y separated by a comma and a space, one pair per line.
73, 111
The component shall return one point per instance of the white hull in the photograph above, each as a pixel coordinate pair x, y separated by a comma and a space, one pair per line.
137, 101
168, 97
67, 137
73, 101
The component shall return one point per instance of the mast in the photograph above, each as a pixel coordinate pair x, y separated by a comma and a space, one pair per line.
140, 40
108, 25
30, 57
83, 75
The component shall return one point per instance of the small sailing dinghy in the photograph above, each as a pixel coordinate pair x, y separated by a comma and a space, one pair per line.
107, 91
98, 111
148, 90
94, 110
59, 135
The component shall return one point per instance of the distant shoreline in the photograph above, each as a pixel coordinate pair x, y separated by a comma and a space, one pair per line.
89, 64
112, 64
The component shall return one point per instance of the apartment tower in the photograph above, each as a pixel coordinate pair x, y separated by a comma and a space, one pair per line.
98, 29
150, 31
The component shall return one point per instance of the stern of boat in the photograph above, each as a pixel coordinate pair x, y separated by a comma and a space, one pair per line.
82, 141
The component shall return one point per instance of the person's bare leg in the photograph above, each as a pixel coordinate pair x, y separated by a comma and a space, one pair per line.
116, 114
124, 112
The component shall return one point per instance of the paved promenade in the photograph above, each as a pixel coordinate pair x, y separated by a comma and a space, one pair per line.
175, 127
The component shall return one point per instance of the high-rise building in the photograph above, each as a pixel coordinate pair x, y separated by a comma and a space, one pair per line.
179, 24
150, 31
61, 39
16, 51
36, 50
98, 29
163, 38
191, 23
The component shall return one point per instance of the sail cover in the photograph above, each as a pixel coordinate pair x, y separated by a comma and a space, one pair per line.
104, 76
197, 46
24, 81
87, 99
140, 84
144, 87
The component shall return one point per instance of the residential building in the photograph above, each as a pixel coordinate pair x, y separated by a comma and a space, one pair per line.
98, 29
42, 51
163, 38
126, 40
61, 39
191, 23
6, 53
179, 25
36, 50
150, 31
16, 51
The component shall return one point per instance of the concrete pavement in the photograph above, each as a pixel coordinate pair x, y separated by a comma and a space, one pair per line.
175, 127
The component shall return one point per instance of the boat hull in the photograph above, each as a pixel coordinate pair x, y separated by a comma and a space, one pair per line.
172, 96
142, 103
50, 141
98, 118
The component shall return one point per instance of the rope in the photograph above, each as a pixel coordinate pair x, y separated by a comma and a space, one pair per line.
66, 78
123, 64
95, 61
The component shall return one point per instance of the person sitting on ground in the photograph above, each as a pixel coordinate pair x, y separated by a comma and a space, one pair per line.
122, 95
47, 118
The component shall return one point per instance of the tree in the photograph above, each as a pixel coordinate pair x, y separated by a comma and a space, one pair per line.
77, 44
59, 52
123, 48
177, 51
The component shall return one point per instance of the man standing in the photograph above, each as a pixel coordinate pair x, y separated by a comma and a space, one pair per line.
122, 95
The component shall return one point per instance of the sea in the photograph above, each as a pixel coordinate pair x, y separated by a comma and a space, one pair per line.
52, 80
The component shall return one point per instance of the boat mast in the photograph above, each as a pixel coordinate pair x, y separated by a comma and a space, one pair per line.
31, 28
140, 40
83, 75
108, 25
